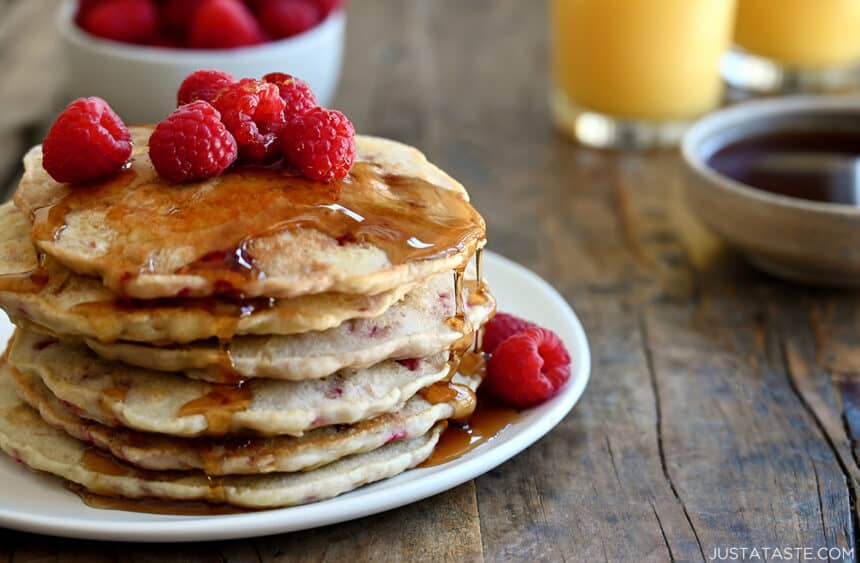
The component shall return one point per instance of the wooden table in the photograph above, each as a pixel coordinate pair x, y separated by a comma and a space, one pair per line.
724, 405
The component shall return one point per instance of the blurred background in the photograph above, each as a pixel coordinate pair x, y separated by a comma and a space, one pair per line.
618, 74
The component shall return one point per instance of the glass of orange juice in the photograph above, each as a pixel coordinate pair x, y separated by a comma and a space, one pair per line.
795, 46
635, 73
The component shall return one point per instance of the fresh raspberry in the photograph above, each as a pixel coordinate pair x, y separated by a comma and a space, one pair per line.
329, 6
500, 328
87, 141
285, 18
129, 21
253, 112
165, 41
528, 368
192, 144
223, 24
203, 85
298, 96
176, 15
84, 7
320, 143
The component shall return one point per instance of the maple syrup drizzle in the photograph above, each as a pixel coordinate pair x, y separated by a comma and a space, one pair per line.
111, 396
226, 366
225, 313
218, 406
483, 425
219, 222
473, 364
153, 506
212, 453
101, 462
460, 322
217, 493
104, 463
31, 281
461, 397
440, 392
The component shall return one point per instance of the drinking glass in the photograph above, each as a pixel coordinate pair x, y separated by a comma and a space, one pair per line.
786, 46
635, 73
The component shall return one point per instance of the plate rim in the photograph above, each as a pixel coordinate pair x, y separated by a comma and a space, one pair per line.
418, 487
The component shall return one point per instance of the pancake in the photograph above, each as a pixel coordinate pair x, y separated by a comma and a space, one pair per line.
59, 301
114, 393
30, 440
415, 327
256, 231
246, 455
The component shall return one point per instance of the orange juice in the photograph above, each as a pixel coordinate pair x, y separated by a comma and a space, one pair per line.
802, 33
641, 59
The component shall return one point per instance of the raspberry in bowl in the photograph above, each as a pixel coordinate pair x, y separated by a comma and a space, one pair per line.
136, 58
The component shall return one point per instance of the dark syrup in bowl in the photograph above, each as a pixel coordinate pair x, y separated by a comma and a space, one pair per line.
822, 166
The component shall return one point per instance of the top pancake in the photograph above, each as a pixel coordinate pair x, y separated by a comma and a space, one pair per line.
256, 231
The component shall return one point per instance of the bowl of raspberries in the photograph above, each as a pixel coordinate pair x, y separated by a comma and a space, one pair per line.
135, 53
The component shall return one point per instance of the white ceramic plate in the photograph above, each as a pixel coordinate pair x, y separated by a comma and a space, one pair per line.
40, 503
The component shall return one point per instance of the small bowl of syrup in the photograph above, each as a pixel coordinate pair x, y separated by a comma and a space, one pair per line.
779, 179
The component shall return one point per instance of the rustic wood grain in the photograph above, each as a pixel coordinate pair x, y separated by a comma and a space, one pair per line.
724, 406
32, 72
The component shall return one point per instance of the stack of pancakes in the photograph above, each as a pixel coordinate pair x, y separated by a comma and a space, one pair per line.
257, 339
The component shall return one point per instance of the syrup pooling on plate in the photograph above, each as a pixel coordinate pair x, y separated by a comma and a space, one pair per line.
216, 225
225, 313
100, 462
155, 506
483, 425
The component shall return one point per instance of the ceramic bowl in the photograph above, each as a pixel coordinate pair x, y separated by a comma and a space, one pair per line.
802, 240
140, 82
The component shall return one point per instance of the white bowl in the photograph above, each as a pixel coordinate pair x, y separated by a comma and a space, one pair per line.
140, 82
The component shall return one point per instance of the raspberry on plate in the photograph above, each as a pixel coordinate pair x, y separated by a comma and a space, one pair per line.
285, 18
298, 96
130, 21
329, 6
253, 112
84, 7
203, 85
192, 144
528, 368
87, 141
320, 143
223, 24
500, 328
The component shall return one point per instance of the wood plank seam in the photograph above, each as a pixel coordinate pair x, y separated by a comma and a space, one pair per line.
850, 480
663, 532
649, 361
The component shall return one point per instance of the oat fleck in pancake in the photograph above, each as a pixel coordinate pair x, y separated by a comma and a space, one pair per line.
256, 231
